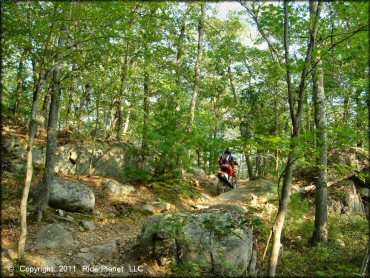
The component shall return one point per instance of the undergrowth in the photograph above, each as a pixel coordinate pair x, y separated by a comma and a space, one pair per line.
172, 189
341, 256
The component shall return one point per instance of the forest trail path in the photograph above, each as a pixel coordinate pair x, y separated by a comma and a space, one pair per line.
245, 189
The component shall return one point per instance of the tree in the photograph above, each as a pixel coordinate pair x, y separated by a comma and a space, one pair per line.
321, 216
198, 65
51, 148
296, 117
40, 79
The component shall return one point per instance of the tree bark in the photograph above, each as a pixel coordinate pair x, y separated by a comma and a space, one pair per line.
122, 95
39, 83
232, 86
321, 215
180, 48
259, 163
127, 122
95, 133
44, 109
198, 65
19, 85
249, 167
51, 147
146, 110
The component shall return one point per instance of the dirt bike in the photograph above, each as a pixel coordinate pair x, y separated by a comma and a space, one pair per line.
226, 181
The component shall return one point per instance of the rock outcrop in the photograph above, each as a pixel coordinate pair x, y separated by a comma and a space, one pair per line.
217, 239
53, 235
71, 196
115, 189
107, 160
346, 197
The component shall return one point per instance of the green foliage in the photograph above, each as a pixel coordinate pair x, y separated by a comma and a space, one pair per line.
189, 269
134, 173
340, 257
172, 190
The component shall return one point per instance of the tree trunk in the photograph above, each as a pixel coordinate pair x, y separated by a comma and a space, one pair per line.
280, 218
180, 48
198, 65
51, 147
198, 158
321, 216
33, 126
249, 167
232, 86
345, 107
122, 95
258, 164
358, 116
146, 110
44, 108
95, 133
67, 124
19, 85
127, 122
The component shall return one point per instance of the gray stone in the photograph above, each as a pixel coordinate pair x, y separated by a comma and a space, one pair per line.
345, 197
198, 173
53, 235
71, 196
10, 143
109, 161
157, 207
364, 191
84, 259
61, 212
105, 250
87, 225
353, 200
216, 239
84, 250
114, 188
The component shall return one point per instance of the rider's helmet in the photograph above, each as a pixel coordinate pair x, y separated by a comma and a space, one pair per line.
230, 149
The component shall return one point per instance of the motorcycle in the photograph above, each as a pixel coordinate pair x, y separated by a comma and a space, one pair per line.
226, 181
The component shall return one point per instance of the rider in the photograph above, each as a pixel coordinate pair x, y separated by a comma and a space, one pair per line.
227, 161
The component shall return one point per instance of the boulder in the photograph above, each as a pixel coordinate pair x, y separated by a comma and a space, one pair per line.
116, 189
198, 173
87, 225
345, 197
157, 207
353, 200
216, 239
53, 235
71, 196
105, 250
84, 259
